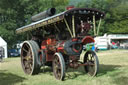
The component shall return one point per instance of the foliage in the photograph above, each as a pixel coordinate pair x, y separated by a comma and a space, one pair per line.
116, 14
119, 18
17, 13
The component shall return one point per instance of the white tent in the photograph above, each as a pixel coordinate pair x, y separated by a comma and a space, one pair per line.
3, 44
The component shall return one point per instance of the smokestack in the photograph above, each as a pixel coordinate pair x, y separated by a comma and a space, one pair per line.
42, 15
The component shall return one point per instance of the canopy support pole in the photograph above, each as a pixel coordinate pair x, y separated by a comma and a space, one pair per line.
98, 27
68, 27
56, 28
73, 26
94, 25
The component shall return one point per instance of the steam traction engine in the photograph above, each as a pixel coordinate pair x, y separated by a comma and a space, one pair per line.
59, 41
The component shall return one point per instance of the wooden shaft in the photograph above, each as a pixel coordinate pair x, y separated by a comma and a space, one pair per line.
73, 26
68, 27
56, 28
94, 25
98, 27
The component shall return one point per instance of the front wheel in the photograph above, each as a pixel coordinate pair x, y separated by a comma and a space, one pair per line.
92, 63
59, 66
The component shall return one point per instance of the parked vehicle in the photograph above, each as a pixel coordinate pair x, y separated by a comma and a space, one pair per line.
13, 53
101, 43
111, 41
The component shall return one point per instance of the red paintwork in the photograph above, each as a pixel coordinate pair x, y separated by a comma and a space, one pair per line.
48, 46
77, 50
51, 41
41, 58
40, 55
60, 49
49, 57
87, 39
75, 39
69, 7
44, 42
43, 47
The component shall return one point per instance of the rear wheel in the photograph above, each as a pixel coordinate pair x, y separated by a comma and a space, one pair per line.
29, 55
92, 62
59, 66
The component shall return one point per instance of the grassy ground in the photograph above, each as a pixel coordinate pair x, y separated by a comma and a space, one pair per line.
113, 71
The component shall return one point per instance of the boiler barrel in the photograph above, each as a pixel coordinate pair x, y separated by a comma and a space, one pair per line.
42, 15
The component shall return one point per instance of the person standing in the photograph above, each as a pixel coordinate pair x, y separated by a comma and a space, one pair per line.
118, 44
1, 58
1, 54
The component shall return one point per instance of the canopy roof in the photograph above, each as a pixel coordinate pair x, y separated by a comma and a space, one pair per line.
87, 13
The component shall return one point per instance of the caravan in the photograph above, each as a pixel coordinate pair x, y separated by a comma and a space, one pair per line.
111, 41
101, 43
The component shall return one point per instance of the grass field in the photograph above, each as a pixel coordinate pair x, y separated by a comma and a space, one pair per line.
113, 71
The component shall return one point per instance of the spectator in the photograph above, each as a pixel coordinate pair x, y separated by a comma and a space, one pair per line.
113, 43
118, 44
1, 58
1, 53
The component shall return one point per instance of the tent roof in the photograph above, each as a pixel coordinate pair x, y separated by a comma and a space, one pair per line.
2, 42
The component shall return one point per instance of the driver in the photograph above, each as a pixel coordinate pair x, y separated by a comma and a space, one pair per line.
83, 28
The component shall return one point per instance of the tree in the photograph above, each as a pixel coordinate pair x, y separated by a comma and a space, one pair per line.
97, 4
17, 13
116, 17
117, 23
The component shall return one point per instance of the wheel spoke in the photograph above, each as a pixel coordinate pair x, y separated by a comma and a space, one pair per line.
29, 53
26, 65
91, 57
24, 58
59, 73
25, 50
27, 46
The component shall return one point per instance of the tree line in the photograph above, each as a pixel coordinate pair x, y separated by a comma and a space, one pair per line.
17, 13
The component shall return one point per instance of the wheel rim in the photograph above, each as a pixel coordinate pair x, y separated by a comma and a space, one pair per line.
92, 63
26, 58
59, 67
29, 56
